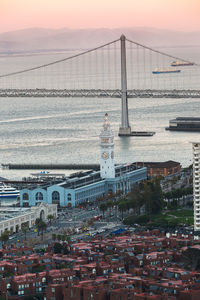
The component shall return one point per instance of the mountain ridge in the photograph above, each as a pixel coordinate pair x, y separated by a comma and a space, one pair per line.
47, 39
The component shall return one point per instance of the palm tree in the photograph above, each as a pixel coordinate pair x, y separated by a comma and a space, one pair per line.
53, 236
110, 204
122, 206
25, 229
37, 222
42, 226
103, 208
59, 237
63, 237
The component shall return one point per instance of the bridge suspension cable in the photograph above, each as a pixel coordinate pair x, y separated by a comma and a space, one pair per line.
58, 61
98, 69
162, 53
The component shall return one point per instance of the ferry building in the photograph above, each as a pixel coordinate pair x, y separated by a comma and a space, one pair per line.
89, 185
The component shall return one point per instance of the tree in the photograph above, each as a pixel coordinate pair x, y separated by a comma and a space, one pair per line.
4, 237
153, 197
37, 222
50, 218
41, 227
59, 237
110, 204
122, 206
147, 198
57, 248
63, 237
103, 208
25, 229
157, 197
53, 236
136, 200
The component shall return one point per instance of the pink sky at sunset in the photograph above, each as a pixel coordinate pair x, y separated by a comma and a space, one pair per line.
170, 14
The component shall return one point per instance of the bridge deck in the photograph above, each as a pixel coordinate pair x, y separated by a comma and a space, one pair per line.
99, 93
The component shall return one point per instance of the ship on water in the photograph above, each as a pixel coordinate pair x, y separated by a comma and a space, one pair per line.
8, 194
163, 71
181, 63
184, 124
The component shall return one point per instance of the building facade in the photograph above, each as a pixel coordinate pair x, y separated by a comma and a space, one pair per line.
164, 169
196, 185
12, 219
88, 186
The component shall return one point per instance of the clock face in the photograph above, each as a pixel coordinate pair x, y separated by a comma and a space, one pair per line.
104, 140
105, 155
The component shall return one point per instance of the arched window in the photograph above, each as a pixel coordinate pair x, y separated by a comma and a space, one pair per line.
69, 197
55, 197
25, 196
39, 196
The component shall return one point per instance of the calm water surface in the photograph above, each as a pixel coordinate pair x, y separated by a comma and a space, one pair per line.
67, 130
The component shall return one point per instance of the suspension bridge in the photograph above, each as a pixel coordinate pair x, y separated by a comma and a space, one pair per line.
121, 68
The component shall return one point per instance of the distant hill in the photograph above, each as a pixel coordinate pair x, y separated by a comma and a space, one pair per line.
40, 39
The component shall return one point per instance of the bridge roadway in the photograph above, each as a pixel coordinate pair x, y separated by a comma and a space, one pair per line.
99, 93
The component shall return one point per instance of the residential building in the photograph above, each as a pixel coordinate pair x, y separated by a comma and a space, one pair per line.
196, 185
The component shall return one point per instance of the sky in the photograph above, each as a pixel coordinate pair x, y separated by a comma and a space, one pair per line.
181, 15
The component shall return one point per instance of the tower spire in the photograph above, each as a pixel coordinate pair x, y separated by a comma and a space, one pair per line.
107, 166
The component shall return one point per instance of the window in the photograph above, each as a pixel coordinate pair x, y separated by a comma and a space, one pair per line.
55, 197
21, 293
39, 196
25, 196
69, 197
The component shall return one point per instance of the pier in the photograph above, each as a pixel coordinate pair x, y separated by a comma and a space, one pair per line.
51, 166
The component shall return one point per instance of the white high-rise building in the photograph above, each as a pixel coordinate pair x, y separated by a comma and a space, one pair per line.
107, 166
196, 185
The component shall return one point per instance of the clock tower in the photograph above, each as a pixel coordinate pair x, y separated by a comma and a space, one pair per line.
107, 166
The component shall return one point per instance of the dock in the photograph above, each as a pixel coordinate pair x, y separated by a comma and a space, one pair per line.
139, 133
50, 166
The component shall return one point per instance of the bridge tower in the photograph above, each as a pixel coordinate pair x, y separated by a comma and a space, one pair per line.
125, 128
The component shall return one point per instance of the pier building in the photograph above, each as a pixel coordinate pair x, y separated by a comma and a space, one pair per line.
89, 185
13, 218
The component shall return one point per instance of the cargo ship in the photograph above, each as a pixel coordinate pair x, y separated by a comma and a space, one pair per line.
181, 63
163, 71
184, 124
